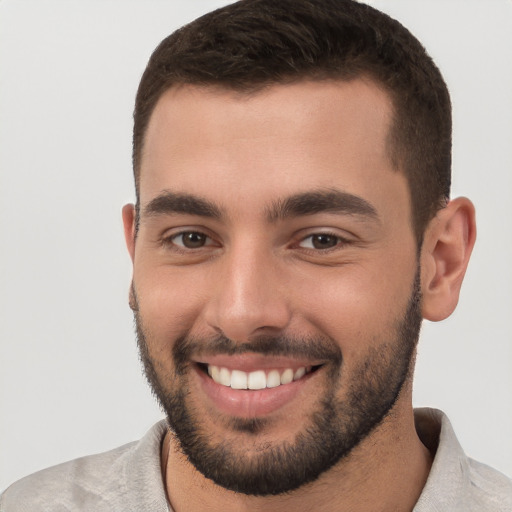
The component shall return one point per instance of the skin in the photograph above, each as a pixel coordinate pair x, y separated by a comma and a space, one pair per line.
257, 275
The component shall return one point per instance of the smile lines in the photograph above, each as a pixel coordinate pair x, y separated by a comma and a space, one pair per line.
259, 379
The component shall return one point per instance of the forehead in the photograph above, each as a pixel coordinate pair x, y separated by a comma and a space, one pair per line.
280, 140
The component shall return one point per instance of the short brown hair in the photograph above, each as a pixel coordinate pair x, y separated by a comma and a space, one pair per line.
251, 44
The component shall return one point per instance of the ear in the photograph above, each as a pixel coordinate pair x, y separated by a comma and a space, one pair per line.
447, 245
129, 228
129, 236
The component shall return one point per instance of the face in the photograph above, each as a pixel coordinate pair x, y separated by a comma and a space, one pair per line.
275, 277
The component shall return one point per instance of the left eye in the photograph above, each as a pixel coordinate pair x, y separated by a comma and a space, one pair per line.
191, 240
320, 241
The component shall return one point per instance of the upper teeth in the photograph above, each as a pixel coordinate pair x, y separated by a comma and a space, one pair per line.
259, 379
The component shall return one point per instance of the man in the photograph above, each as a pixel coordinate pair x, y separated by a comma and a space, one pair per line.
291, 230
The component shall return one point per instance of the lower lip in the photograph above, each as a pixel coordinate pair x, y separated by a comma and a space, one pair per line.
243, 403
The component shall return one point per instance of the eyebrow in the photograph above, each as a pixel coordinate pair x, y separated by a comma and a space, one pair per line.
321, 201
168, 203
297, 205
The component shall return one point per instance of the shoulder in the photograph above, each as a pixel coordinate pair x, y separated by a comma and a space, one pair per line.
82, 480
489, 489
118, 478
457, 482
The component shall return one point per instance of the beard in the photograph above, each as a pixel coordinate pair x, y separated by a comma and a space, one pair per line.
333, 429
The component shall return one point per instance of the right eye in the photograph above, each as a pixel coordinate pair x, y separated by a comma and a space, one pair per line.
190, 240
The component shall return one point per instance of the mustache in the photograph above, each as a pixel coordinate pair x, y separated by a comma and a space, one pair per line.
321, 348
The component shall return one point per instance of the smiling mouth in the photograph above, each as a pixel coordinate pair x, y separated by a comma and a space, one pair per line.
258, 379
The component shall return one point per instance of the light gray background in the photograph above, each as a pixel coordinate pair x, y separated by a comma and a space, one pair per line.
70, 380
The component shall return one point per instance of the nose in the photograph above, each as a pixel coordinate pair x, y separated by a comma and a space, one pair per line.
248, 295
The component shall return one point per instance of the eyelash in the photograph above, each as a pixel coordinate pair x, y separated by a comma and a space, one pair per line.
340, 241
170, 241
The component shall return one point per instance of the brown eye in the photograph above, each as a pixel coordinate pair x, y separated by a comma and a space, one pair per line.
323, 241
190, 240
320, 241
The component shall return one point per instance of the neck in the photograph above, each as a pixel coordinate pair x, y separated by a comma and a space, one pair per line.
386, 472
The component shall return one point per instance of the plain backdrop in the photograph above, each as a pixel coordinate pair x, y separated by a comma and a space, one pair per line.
70, 379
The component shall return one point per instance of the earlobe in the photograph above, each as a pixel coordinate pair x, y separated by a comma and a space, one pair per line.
447, 246
129, 228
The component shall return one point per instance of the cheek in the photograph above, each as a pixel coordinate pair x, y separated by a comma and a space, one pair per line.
357, 307
169, 305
